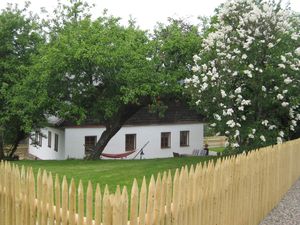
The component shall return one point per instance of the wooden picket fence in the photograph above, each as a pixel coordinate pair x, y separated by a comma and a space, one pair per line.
237, 190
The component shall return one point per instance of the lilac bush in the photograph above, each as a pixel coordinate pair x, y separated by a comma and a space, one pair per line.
246, 75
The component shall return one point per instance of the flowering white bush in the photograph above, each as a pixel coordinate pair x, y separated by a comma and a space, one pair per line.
247, 77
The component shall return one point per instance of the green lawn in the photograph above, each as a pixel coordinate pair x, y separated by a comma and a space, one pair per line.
111, 172
219, 149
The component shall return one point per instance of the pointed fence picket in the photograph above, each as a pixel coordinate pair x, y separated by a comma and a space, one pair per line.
236, 190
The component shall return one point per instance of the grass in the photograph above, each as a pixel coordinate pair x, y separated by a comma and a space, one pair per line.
111, 172
219, 149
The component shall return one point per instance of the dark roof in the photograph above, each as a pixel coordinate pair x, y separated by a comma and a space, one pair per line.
175, 113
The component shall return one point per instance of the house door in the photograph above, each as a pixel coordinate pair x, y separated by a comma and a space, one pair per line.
89, 143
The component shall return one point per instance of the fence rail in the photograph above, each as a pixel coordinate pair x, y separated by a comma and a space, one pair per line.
237, 190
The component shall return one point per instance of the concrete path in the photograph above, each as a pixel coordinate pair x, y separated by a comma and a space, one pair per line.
287, 212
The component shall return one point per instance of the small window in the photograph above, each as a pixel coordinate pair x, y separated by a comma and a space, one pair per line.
89, 142
165, 140
130, 142
56, 142
40, 139
36, 138
184, 138
49, 139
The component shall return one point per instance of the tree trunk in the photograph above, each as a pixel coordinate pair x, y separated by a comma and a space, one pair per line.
112, 127
20, 136
103, 141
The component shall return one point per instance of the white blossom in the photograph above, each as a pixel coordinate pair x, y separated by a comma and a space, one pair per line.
265, 122
235, 145
250, 135
223, 93
246, 102
280, 65
263, 88
292, 128
262, 137
238, 90
279, 140
270, 45
237, 133
288, 80
195, 68
281, 133
230, 123
217, 116
297, 51
283, 59
284, 104
196, 58
244, 56
294, 36
241, 108
279, 96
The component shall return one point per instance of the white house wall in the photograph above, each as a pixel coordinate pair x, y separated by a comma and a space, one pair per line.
44, 152
75, 137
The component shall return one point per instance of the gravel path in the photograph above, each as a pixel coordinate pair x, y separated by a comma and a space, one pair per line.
287, 212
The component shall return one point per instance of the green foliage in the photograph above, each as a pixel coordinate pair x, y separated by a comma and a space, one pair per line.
19, 40
247, 74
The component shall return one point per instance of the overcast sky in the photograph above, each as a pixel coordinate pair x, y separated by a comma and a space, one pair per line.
146, 12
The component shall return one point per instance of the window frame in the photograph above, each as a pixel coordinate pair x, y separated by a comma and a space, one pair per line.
49, 139
88, 145
127, 149
164, 135
40, 139
56, 141
187, 138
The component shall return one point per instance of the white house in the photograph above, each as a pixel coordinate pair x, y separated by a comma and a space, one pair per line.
180, 131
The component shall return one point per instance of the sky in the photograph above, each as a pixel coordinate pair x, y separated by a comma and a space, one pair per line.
146, 12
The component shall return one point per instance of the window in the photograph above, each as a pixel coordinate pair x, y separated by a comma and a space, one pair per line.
36, 138
130, 142
165, 140
89, 142
40, 139
56, 142
49, 139
184, 138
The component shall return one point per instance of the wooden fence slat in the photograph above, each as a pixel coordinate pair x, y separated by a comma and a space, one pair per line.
124, 201
134, 203
163, 195
64, 201
89, 204
98, 205
44, 194
157, 200
150, 202
168, 216
107, 208
143, 204
80, 220
72, 202
57, 200
50, 199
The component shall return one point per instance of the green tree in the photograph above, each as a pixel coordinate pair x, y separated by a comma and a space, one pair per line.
19, 38
247, 74
102, 70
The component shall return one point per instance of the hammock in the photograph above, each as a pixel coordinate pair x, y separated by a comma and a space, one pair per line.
117, 156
